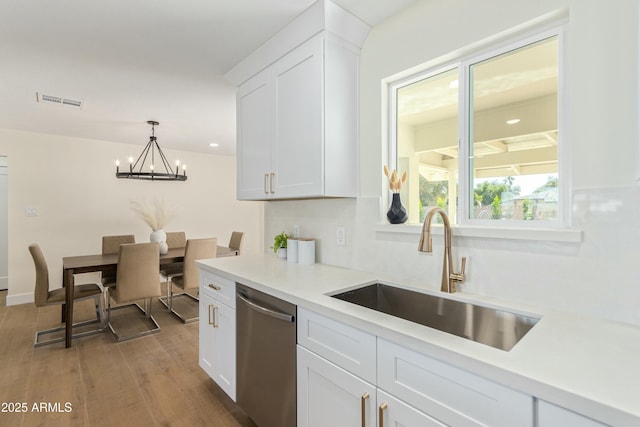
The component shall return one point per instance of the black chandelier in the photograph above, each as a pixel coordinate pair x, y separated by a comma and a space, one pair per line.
153, 174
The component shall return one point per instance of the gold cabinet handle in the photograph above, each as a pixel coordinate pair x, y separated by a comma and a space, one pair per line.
271, 182
381, 414
215, 287
215, 316
210, 322
363, 404
266, 177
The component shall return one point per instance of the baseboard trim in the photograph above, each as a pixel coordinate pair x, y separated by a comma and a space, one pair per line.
19, 299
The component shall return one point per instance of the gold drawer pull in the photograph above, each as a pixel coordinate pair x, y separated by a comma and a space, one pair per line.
210, 322
381, 414
215, 287
363, 404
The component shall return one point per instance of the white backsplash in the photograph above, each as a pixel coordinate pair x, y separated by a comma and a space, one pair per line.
598, 276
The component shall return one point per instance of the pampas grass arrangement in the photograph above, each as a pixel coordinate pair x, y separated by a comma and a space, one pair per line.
154, 214
395, 182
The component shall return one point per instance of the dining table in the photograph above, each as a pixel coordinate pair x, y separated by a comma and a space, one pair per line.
73, 265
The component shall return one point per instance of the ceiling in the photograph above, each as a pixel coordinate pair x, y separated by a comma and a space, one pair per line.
133, 61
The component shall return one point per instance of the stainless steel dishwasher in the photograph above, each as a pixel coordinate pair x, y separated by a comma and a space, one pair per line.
266, 358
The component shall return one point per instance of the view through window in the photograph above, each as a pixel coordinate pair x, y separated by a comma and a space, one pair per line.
512, 136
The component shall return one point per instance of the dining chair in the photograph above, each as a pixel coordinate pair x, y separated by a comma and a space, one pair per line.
110, 246
189, 277
43, 296
137, 279
235, 241
176, 239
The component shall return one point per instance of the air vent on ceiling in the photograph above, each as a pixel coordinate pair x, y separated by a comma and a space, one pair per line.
50, 99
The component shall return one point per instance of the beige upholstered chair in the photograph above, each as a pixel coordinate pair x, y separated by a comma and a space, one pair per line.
176, 239
43, 296
111, 245
137, 279
189, 277
235, 241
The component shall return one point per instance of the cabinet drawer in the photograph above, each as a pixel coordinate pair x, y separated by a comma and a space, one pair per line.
451, 395
392, 412
551, 416
347, 347
219, 288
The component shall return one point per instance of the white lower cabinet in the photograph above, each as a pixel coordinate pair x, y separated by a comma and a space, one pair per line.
347, 377
550, 415
217, 331
330, 396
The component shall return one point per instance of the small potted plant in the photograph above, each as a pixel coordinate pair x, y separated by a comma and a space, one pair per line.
280, 244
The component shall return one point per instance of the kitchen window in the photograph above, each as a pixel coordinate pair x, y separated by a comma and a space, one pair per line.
481, 137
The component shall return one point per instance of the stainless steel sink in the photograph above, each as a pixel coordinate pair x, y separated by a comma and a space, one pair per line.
497, 328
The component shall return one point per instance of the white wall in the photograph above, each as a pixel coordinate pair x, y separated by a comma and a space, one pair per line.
598, 276
4, 224
72, 184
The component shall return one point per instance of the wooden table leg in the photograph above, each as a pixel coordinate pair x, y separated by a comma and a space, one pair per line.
63, 314
69, 288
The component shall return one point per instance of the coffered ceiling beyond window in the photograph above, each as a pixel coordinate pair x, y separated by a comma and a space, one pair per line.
132, 61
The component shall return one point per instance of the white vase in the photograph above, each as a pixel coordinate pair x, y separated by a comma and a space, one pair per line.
282, 253
161, 237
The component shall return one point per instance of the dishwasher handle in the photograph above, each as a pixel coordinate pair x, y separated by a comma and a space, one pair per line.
267, 312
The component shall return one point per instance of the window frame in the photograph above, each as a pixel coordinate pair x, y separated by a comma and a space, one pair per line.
463, 63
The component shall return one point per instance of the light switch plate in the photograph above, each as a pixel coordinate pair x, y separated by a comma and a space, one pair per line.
341, 238
30, 211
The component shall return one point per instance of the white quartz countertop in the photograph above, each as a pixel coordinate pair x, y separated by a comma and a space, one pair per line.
587, 365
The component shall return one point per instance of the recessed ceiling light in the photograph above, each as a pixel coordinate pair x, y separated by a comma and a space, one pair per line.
513, 121
213, 144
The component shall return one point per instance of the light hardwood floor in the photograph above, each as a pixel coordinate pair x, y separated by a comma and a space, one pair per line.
149, 381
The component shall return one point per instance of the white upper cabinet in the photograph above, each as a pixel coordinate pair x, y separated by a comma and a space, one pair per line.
297, 113
254, 121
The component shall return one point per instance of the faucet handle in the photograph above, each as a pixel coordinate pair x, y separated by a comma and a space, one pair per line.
459, 277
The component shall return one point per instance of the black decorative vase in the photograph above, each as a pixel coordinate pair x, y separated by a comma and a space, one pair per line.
397, 214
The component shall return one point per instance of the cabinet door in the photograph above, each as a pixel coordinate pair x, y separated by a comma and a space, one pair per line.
217, 341
225, 351
394, 413
330, 396
298, 145
255, 115
207, 335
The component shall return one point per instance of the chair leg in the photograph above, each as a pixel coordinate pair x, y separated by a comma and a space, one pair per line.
146, 311
99, 319
167, 301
